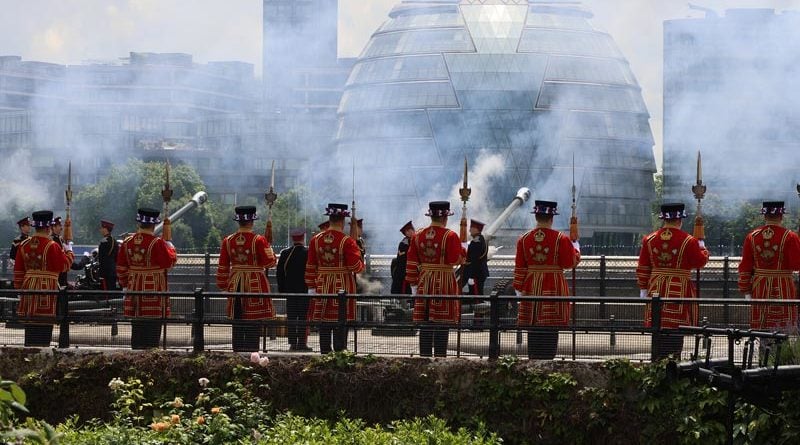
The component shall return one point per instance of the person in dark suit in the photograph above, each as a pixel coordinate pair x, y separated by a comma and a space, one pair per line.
24, 233
107, 256
290, 274
398, 266
476, 269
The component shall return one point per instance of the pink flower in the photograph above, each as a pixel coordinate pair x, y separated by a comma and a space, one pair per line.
264, 361
255, 357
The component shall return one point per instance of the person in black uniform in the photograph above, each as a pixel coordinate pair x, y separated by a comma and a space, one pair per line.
476, 268
56, 227
290, 274
107, 256
362, 246
398, 266
24, 233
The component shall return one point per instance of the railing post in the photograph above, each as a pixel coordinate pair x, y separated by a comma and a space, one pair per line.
602, 285
707, 340
199, 343
207, 272
612, 337
726, 274
655, 337
494, 326
62, 302
602, 275
338, 334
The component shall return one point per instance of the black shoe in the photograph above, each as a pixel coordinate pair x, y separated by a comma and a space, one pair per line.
303, 348
292, 348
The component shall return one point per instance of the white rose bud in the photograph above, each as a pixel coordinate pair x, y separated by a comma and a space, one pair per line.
203, 382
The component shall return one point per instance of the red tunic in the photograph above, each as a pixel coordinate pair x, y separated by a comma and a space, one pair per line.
142, 265
542, 255
770, 254
333, 260
433, 253
243, 259
666, 261
38, 262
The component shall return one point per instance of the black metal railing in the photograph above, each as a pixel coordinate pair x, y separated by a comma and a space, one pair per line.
600, 327
612, 276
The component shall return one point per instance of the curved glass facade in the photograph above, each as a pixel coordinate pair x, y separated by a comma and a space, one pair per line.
530, 83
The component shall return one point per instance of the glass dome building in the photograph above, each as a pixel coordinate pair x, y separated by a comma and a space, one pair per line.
526, 84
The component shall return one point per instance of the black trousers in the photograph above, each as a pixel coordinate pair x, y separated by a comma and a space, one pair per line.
477, 288
296, 312
245, 337
336, 335
433, 338
542, 345
38, 335
145, 334
669, 344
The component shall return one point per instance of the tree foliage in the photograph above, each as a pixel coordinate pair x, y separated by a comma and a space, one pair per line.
136, 184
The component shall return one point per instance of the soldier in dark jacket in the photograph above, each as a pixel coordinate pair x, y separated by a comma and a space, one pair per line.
24, 233
476, 269
107, 256
290, 275
398, 266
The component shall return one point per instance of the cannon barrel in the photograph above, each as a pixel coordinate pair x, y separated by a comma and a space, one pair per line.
197, 200
523, 195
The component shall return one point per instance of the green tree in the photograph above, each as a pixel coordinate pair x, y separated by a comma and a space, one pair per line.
655, 207
137, 184
287, 213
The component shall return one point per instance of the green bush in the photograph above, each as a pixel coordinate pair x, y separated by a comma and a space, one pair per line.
524, 402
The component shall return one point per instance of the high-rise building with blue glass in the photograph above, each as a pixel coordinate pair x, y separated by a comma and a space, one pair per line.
529, 84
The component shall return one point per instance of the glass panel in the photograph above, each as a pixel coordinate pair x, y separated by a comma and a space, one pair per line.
593, 44
582, 69
423, 20
409, 124
496, 81
590, 97
495, 28
609, 126
399, 69
540, 20
415, 42
399, 96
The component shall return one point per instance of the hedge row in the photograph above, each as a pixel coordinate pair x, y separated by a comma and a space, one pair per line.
615, 402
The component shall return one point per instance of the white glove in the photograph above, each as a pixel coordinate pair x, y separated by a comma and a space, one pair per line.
471, 281
414, 290
702, 244
747, 296
68, 247
576, 245
87, 254
642, 293
519, 293
171, 246
312, 292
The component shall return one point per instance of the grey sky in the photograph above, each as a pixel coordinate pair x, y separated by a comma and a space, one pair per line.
71, 31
